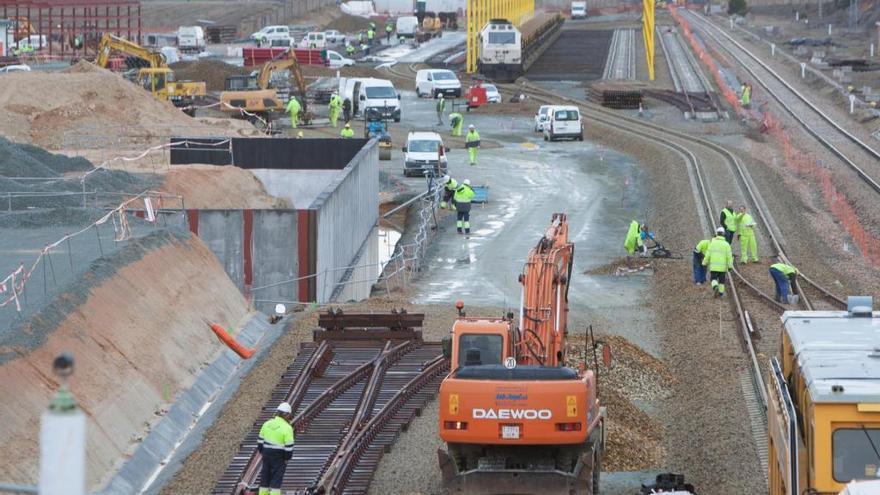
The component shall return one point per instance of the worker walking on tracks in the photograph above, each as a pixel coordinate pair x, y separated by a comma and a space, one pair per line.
449, 187
728, 221
462, 198
335, 107
293, 108
441, 107
472, 143
745, 228
347, 132
719, 259
275, 444
633, 239
699, 253
784, 276
456, 120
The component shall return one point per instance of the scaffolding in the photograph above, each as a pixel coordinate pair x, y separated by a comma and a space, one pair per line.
72, 28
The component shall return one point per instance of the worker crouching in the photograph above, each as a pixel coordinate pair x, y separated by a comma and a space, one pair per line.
784, 276
275, 444
449, 187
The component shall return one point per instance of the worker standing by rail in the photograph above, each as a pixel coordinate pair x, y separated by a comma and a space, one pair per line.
728, 221
449, 187
745, 227
472, 142
456, 120
335, 106
699, 253
784, 277
275, 444
719, 259
441, 107
462, 198
293, 108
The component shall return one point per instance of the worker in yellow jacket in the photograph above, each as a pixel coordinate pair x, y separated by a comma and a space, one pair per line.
633, 239
745, 228
719, 259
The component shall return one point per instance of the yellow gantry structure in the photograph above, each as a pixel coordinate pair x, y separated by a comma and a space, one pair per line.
480, 11
648, 34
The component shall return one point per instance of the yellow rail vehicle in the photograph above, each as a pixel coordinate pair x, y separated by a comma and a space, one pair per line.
823, 401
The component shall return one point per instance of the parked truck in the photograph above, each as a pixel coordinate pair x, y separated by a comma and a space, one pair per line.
578, 10
191, 38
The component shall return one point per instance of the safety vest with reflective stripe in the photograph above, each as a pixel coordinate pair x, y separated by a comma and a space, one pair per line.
702, 247
786, 270
463, 194
719, 257
452, 185
728, 218
276, 433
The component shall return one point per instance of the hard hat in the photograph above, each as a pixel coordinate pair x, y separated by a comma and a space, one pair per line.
299, 134
471, 126
347, 125
284, 407
446, 178
719, 230
466, 182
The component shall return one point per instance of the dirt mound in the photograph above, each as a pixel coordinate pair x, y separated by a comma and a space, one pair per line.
212, 72
208, 186
87, 107
135, 324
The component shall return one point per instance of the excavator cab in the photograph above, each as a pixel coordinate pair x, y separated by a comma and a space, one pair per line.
155, 80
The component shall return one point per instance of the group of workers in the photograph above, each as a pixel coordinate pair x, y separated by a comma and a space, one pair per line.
456, 121
366, 38
458, 197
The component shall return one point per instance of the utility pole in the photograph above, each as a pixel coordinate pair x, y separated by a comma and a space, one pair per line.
63, 438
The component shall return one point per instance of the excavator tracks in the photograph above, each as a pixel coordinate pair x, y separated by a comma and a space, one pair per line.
353, 391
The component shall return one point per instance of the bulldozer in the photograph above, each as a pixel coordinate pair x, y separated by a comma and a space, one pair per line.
252, 93
514, 417
151, 72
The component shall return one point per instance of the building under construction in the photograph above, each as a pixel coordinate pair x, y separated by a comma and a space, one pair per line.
71, 28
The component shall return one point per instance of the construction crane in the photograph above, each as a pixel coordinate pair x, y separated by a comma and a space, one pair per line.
252, 94
823, 402
153, 74
514, 417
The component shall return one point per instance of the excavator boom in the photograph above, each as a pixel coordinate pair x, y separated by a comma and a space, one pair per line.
110, 43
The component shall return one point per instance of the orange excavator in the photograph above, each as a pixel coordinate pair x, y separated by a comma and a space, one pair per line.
514, 417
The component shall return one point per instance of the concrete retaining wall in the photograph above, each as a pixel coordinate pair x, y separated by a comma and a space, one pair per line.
347, 211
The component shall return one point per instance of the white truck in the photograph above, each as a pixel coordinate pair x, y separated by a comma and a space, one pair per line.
191, 38
578, 10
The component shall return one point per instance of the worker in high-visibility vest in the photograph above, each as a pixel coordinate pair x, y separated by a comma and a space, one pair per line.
700, 251
719, 259
335, 107
293, 108
275, 445
456, 120
472, 143
633, 240
449, 187
462, 197
347, 132
370, 35
784, 277
728, 221
388, 30
745, 228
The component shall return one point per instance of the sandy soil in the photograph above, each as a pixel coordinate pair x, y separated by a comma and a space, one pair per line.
209, 186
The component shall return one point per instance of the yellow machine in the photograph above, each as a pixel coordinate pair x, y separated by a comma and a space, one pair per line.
156, 78
252, 93
823, 401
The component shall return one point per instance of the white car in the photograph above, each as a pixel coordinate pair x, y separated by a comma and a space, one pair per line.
541, 117
336, 60
314, 39
334, 36
433, 82
269, 33
424, 154
492, 94
14, 68
563, 122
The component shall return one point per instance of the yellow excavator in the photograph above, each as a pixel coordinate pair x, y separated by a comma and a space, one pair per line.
252, 94
154, 75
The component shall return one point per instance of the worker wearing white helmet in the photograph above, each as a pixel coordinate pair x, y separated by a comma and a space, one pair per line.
449, 187
462, 198
275, 443
441, 108
472, 142
719, 259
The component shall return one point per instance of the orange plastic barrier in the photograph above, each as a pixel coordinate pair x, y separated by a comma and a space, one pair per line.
800, 163
230, 342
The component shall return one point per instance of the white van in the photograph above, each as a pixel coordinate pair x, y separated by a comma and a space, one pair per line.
407, 26
378, 95
436, 81
191, 38
424, 154
563, 122
578, 10
271, 33
314, 39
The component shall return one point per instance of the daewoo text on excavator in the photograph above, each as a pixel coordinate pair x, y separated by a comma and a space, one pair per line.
514, 417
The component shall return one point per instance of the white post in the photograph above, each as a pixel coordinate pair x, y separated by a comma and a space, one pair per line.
731, 23
803, 70
872, 50
772, 49
829, 30
63, 439
852, 103
797, 16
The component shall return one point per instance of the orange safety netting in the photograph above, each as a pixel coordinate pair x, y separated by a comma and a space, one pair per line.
801, 163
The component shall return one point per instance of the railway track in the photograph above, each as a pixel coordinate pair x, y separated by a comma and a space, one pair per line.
860, 157
687, 76
353, 391
621, 61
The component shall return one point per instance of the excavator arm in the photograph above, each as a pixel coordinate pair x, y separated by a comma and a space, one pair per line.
110, 43
280, 64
